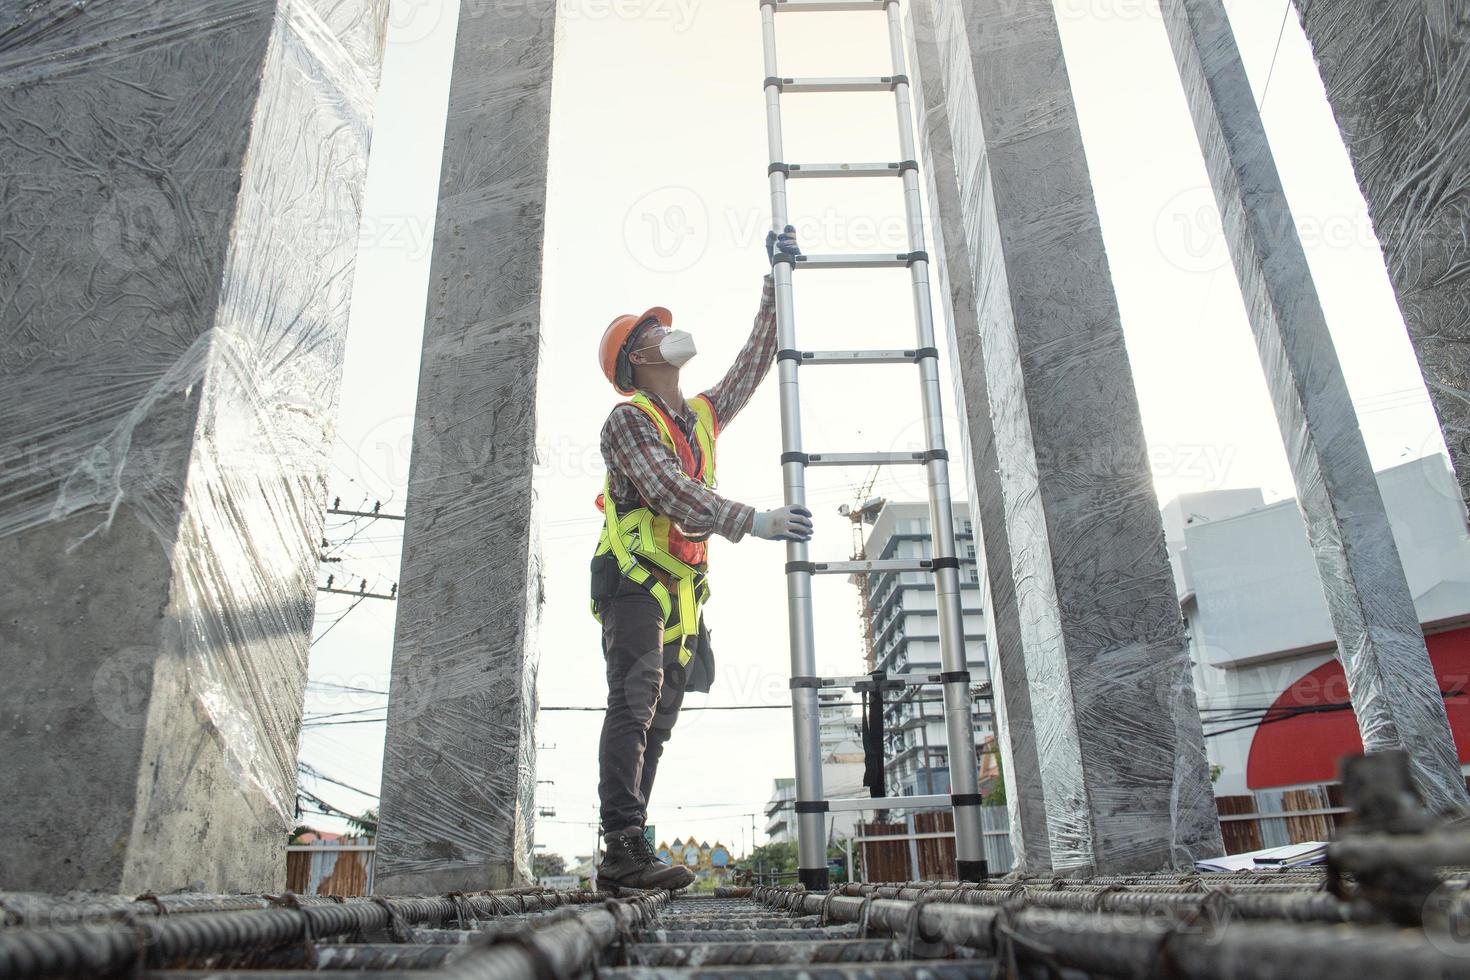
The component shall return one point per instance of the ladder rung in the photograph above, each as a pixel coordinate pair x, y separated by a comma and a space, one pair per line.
864, 682
796, 171
860, 681
876, 565
858, 357
860, 83
877, 260
932, 801
826, 6
864, 459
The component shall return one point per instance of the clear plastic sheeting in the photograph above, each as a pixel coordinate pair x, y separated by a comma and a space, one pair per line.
1398, 78
1395, 694
1100, 652
182, 192
1025, 801
458, 785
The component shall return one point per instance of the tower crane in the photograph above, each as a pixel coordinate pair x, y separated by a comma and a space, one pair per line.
863, 510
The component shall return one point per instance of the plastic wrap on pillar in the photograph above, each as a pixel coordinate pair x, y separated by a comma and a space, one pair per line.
182, 186
1118, 742
458, 768
1397, 75
1395, 693
1025, 797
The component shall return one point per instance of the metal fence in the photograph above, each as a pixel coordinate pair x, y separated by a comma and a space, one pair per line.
921, 846
330, 869
1277, 817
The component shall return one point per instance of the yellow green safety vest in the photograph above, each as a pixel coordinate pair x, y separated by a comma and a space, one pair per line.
641, 538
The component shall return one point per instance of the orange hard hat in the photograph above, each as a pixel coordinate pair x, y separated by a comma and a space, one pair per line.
614, 359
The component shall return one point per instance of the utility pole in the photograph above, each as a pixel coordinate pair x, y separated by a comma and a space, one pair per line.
361, 592
375, 513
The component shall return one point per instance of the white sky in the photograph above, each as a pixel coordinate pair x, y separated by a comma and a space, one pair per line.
658, 196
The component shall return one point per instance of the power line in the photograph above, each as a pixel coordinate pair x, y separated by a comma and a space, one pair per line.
346, 687
391, 596
307, 770
329, 810
342, 714
707, 707
374, 514
756, 707
332, 549
339, 620
1272, 715
581, 707
357, 721
1268, 721
347, 567
1281, 33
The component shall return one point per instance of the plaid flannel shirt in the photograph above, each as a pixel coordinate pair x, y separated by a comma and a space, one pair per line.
642, 468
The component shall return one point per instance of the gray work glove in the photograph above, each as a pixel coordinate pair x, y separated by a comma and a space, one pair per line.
784, 242
783, 524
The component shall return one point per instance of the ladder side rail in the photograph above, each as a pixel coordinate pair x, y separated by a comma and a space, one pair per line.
811, 820
958, 710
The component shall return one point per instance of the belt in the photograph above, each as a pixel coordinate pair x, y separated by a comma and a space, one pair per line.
664, 576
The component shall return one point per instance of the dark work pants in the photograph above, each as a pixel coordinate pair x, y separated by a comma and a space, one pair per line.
645, 688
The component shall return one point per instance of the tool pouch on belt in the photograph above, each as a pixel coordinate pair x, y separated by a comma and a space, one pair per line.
605, 577
702, 666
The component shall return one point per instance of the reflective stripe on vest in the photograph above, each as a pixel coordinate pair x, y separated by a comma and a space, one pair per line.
641, 538
689, 550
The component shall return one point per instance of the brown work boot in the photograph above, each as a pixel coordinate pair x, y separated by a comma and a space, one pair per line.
628, 862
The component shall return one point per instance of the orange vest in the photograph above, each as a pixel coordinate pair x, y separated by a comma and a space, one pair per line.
687, 548
649, 547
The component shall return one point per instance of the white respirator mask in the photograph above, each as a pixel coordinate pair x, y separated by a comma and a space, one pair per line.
676, 347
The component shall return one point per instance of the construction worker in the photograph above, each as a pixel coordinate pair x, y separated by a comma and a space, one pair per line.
649, 570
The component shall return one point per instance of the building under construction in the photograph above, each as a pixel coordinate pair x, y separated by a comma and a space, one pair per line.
182, 185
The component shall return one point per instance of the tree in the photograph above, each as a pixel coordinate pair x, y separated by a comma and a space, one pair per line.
997, 796
837, 862
774, 858
780, 857
366, 823
548, 864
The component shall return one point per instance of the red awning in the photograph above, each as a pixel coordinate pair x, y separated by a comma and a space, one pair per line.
1292, 746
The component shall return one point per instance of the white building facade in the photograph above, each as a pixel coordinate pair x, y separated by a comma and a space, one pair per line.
781, 811
1272, 695
839, 725
906, 638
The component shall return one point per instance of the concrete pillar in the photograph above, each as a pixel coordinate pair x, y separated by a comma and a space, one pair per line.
1119, 748
1025, 797
181, 198
458, 768
1398, 77
1380, 642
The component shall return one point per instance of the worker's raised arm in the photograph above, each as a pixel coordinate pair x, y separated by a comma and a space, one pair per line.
733, 391
631, 446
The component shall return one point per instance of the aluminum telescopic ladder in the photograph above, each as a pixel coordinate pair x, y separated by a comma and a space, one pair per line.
811, 806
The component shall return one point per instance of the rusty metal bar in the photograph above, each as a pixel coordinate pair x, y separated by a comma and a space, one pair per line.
1369, 852
561, 948
925, 969
696, 935
163, 940
332, 956
1290, 903
822, 950
1141, 946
